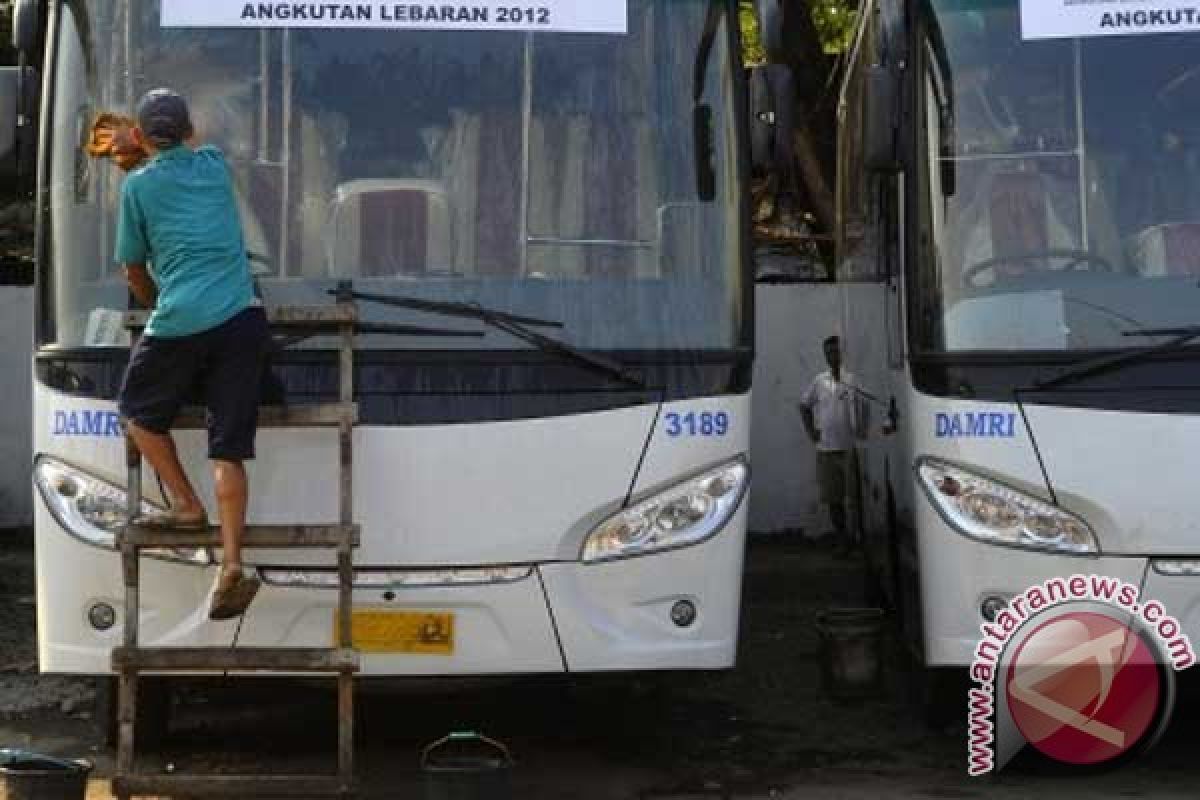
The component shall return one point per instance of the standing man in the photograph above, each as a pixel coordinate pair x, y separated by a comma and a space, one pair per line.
180, 243
831, 417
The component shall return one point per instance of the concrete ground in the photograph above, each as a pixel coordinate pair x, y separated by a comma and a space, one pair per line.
764, 730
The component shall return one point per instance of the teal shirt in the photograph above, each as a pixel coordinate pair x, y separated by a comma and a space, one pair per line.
179, 217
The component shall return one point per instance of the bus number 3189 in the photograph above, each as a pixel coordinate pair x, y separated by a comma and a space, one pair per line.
693, 424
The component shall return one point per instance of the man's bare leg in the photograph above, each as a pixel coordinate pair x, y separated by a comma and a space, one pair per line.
235, 590
232, 497
159, 450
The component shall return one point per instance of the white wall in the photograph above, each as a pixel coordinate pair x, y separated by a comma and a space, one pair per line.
16, 333
792, 322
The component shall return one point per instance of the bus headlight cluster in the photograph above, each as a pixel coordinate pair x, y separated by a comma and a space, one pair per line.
93, 510
997, 514
685, 514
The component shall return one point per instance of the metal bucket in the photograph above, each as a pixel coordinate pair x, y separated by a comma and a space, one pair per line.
851, 651
30, 776
467, 766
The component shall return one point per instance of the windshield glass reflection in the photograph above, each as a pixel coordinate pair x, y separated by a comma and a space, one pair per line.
549, 175
1064, 195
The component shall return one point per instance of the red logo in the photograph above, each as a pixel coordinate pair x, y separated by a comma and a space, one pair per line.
1083, 688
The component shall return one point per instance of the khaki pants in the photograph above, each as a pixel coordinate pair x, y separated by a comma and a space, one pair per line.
837, 483
833, 476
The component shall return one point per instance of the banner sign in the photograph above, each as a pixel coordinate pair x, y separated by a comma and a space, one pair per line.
560, 16
1055, 19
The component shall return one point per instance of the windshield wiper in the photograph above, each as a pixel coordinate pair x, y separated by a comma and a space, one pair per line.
446, 309
1181, 337
512, 324
1183, 330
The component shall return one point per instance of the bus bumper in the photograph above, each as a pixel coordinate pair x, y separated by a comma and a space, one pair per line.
560, 617
958, 574
618, 615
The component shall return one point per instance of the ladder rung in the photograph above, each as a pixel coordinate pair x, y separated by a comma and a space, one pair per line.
330, 316
341, 661
250, 659
244, 786
322, 415
269, 536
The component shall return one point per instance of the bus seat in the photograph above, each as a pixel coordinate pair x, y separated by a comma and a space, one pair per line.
479, 157
681, 233
1018, 209
389, 227
1016, 214
592, 179
1171, 250
256, 190
314, 171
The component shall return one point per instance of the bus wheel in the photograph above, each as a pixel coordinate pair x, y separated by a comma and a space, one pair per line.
153, 706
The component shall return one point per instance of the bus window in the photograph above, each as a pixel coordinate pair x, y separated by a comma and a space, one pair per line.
612, 184
1016, 159
1073, 217
421, 182
549, 174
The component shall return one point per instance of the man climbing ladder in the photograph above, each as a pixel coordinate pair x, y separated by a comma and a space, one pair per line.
179, 240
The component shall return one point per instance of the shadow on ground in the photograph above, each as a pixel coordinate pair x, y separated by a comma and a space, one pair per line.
766, 729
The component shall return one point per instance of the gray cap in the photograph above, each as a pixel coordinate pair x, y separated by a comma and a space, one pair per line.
163, 116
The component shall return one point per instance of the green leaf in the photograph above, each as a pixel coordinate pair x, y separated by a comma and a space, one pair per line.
753, 52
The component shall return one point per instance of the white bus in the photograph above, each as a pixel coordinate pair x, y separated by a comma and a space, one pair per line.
572, 508
1020, 245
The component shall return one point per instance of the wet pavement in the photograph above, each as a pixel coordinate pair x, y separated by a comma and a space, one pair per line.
764, 730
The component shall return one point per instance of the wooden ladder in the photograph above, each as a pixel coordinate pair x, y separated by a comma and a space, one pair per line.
341, 660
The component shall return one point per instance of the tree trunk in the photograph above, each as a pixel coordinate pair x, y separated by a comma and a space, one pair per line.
814, 174
815, 137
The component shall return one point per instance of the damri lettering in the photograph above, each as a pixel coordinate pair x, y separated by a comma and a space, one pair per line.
308, 11
427, 13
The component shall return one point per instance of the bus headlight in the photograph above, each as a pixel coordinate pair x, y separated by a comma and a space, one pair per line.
991, 512
685, 514
93, 510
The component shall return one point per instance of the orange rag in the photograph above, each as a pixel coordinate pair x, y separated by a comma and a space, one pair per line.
112, 137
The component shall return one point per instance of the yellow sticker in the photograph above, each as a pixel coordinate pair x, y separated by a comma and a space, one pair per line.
429, 633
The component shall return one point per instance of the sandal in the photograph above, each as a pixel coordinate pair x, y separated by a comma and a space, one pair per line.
233, 594
171, 521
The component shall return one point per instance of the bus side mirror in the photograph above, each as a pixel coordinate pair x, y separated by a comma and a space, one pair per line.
10, 88
770, 26
19, 120
773, 115
26, 24
705, 150
16, 263
881, 151
18, 133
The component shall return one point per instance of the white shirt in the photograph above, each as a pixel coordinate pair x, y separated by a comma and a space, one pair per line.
835, 410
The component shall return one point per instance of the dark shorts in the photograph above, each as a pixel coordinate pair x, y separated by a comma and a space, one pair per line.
221, 367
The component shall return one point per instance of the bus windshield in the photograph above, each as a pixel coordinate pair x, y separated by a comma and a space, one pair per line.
1059, 185
550, 175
